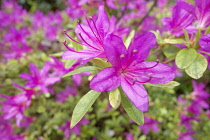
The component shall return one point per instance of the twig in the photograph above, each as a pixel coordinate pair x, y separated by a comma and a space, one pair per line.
169, 60
151, 8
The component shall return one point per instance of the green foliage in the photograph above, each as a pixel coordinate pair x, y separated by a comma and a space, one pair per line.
171, 84
198, 67
185, 57
70, 62
135, 114
115, 98
81, 70
83, 106
170, 51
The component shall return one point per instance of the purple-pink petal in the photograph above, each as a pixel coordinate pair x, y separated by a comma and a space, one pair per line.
136, 93
160, 73
115, 50
139, 49
106, 80
205, 43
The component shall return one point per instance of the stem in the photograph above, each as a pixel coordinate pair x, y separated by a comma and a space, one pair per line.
151, 8
169, 60
156, 50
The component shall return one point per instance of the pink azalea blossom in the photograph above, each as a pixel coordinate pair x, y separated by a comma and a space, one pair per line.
15, 105
205, 43
63, 95
75, 130
181, 19
92, 35
40, 78
149, 124
130, 69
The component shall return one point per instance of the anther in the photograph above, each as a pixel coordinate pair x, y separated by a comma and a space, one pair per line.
150, 75
134, 51
122, 55
78, 21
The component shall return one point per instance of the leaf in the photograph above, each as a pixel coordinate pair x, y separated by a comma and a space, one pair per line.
77, 46
81, 70
170, 51
198, 35
207, 30
129, 38
186, 35
174, 41
115, 98
185, 57
59, 54
198, 67
69, 63
170, 84
101, 63
83, 106
135, 114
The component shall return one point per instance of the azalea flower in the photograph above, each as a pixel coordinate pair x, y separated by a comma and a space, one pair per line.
92, 35
181, 19
149, 124
7, 132
200, 99
63, 95
205, 43
15, 105
75, 130
130, 69
186, 121
186, 135
203, 13
40, 78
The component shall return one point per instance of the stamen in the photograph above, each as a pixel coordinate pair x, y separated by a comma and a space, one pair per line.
72, 38
83, 29
65, 44
96, 29
122, 55
93, 31
135, 79
86, 42
134, 51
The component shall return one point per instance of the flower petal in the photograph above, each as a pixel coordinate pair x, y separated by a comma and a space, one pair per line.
102, 22
203, 13
85, 54
139, 49
160, 73
136, 93
205, 43
106, 80
115, 50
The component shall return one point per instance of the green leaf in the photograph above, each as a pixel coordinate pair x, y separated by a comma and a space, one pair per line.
69, 63
198, 67
198, 35
83, 106
185, 57
207, 30
174, 41
170, 51
129, 38
59, 54
115, 98
135, 114
170, 84
81, 70
158, 37
77, 46
101, 63
186, 35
